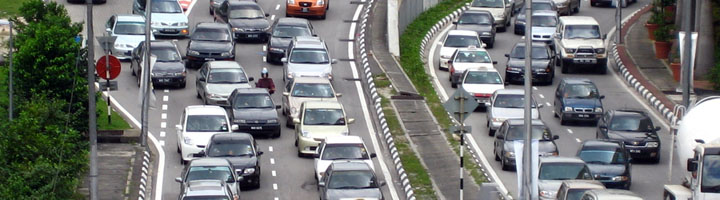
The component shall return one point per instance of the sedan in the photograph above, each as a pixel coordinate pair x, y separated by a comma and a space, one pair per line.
217, 79
481, 83
536, 5
129, 30
301, 89
554, 170
210, 169
340, 148
248, 20
208, 42
168, 18
467, 58
283, 32
168, 69
513, 131
635, 128
508, 104
609, 162
350, 180
254, 111
543, 62
544, 26
480, 21
454, 40
242, 152
578, 99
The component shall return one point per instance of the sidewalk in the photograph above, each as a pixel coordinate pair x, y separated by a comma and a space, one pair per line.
426, 137
119, 169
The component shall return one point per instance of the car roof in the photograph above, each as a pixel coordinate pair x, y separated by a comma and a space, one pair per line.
578, 20
462, 32
544, 13
205, 187
309, 42
601, 144
577, 81
240, 3
515, 122
223, 64
251, 91
590, 184
156, 44
130, 18
211, 25
617, 194
323, 104
477, 12
209, 162
559, 159
534, 44
305, 79
225, 137
473, 48
481, 69
510, 91
204, 110
292, 21
344, 139
350, 166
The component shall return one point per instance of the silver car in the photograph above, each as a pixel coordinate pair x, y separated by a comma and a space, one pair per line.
554, 170
508, 104
544, 26
218, 169
129, 30
350, 180
217, 79
307, 56
501, 10
168, 18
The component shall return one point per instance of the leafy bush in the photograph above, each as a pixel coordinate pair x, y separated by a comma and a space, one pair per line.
714, 75
662, 34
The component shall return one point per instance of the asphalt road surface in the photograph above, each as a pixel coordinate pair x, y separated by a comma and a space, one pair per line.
284, 175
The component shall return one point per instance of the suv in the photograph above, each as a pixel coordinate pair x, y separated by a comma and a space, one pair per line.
467, 58
207, 189
480, 21
317, 120
350, 180
197, 124
609, 161
574, 189
283, 32
315, 8
481, 83
635, 128
214, 169
209, 42
129, 30
578, 99
242, 152
254, 111
307, 56
554, 170
513, 130
543, 64
216, 80
248, 20
579, 41
502, 11
303, 89
168, 69
454, 40
508, 104
168, 18
339, 148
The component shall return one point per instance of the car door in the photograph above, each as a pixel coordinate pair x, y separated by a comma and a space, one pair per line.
325, 179
286, 98
508, 9
183, 119
222, 12
139, 7
558, 98
490, 108
139, 57
500, 139
110, 25
301, 115
201, 80
603, 122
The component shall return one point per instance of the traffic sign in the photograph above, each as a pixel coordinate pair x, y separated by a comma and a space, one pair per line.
114, 67
453, 104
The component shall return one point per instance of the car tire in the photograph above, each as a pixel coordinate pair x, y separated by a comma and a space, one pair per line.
205, 102
289, 123
491, 44
211, 12
197, 95
453, 85
576, 9
300, 154
277, 134
497, 158
323, 16
182, 85
563, 122
491, 132
504, 165
178, 149
257, 183
564, 68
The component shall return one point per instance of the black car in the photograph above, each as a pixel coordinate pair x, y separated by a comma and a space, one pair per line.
248, 20
241, 150
169, 68
635, 128
283, 32
542, 64
519, 28
480, 21
254, 111
208, 42
514, 130
608, 161
84, 1
577, 99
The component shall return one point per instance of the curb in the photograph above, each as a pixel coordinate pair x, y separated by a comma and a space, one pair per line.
144, 175
626, 67
407, 188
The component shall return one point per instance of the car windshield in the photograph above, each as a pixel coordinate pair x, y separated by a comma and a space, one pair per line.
317, 90
309, 56
511, 101
166, 7
290, 31
631, 123
602, 156
475, 18
575, 194
537, 52
472, 57
481, 77
227, 75
129, 28
211, 34
564, 171
544, 21
541, 6
358, 179
344, 151
461, 41
206, 123
252, 101
711, 174
166, 55
322, 116
222, 173
233, 148
581, 91
487, 3
205, 198
582, 32
517, 132
246, 12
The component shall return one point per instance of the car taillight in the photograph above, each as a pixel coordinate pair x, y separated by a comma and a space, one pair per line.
482, 95
452, 69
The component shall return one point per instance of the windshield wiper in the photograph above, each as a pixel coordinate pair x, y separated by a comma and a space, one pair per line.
353, 187
233, 155
714, 188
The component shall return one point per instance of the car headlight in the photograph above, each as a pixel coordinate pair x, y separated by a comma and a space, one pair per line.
600, 50
305, 133
182, 23
277, 49
513, 69
239, 121
620, 178
272, 121
345, 132
485, 33
236, 29
547, 194
320, 2
226, 54
497, 119
569, 50
598, 109
445, 56
568, 109
211, 95
653, 144
291, 1
290, 75
156, 24
510, 154
249, 170
266, 29
187, 140
179, 74
194, 53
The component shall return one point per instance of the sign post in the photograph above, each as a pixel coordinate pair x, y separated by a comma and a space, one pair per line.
107, 64
460, 105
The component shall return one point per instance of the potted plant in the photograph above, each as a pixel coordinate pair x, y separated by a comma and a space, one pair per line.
654, 22
662, 41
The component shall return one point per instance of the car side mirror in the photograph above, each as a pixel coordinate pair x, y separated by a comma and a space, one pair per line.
199, 154
500, 136
286, 94
351, 120
108, 30
488, 104
691, 165
283, 60
483, 45
316, 155
260, 153
507, 55
455, 22
449, 61
240, 178
278, 106
555, 137
494, 62
657, 128
338, 94
178, 179
201, 79
382, 183
558, 36
373, 155
321, 184
506, 83
179, 127
540, 105
439, 43
296, 121
251, 78
333, 61
314, 35
235, 127
602, 96
267, 14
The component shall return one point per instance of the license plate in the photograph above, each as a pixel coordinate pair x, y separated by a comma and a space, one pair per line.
252, 36
634, 150
583, 115
305, 10
164, 80
209, 59
256, 127
169, 30
585, 60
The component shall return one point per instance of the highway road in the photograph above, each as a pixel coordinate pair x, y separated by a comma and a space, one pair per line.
284, 175
647, 179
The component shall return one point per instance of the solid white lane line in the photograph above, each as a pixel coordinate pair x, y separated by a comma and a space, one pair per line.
485, 162
272, 161
277, 7
162, 133
277, 198
272, 18
570, 131
431, 64
166, 98
274, 186
270, 149
274, 173
164, 107
541, 96
163, 116
190, 7
578, 140
361, 96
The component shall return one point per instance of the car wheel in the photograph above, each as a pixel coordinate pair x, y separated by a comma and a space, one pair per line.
132, 71
257, 183
289, 123
453, 85
300, 154
198, 95
178, 149
205, 102
296, 141
504, 165
497, 158
502, 29
576, 9
182, 85
563, 122
277, 134
323, 16
211, 12
564, 67
491, 132
491, 44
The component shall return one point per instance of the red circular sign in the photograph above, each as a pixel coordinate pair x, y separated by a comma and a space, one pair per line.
114, 67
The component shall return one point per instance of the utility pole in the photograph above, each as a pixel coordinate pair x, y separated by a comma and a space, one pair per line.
92, 129
10, 76
527, 161
462, 140
618, 18
145, 75
687, 53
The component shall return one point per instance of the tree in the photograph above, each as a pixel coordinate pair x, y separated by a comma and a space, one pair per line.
706, 45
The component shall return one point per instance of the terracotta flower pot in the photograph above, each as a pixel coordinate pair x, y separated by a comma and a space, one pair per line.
670, 9
662, 49
675, 68
651, 29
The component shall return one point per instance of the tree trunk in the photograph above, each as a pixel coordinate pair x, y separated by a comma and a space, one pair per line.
705, 57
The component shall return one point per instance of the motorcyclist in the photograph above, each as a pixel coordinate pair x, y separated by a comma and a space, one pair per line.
265, 81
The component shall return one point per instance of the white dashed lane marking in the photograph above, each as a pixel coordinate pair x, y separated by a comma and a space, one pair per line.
274, 186
264, 59
274, 173
272, 161
534, 88
541, 96
272, 18
265, 46
277, 7
270, 149
570, 131
277, 198
166, 98
548, 104
163, 116
164, 107
578, 140
163, 124
162, 142
167, 91
162, 133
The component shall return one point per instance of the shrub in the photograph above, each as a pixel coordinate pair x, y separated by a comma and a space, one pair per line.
662, 34
714, 76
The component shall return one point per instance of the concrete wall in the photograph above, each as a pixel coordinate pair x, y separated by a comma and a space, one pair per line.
400, 14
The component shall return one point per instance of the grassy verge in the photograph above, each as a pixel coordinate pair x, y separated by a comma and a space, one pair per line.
9, 7
417, 175
117, 122
415, 69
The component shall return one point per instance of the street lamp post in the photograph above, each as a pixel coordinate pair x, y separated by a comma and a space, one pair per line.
10, 76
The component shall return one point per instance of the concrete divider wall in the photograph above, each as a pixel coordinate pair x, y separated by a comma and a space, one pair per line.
400, 14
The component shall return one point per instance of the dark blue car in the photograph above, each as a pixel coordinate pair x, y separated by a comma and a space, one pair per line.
577, 99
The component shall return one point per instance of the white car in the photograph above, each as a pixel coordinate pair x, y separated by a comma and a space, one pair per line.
197, 124
301, 89
482, 83
129, 30
508, 104
341, 148
454, 40
468, 58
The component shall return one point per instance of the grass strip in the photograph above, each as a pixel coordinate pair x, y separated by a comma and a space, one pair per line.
117, 122
10, 7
